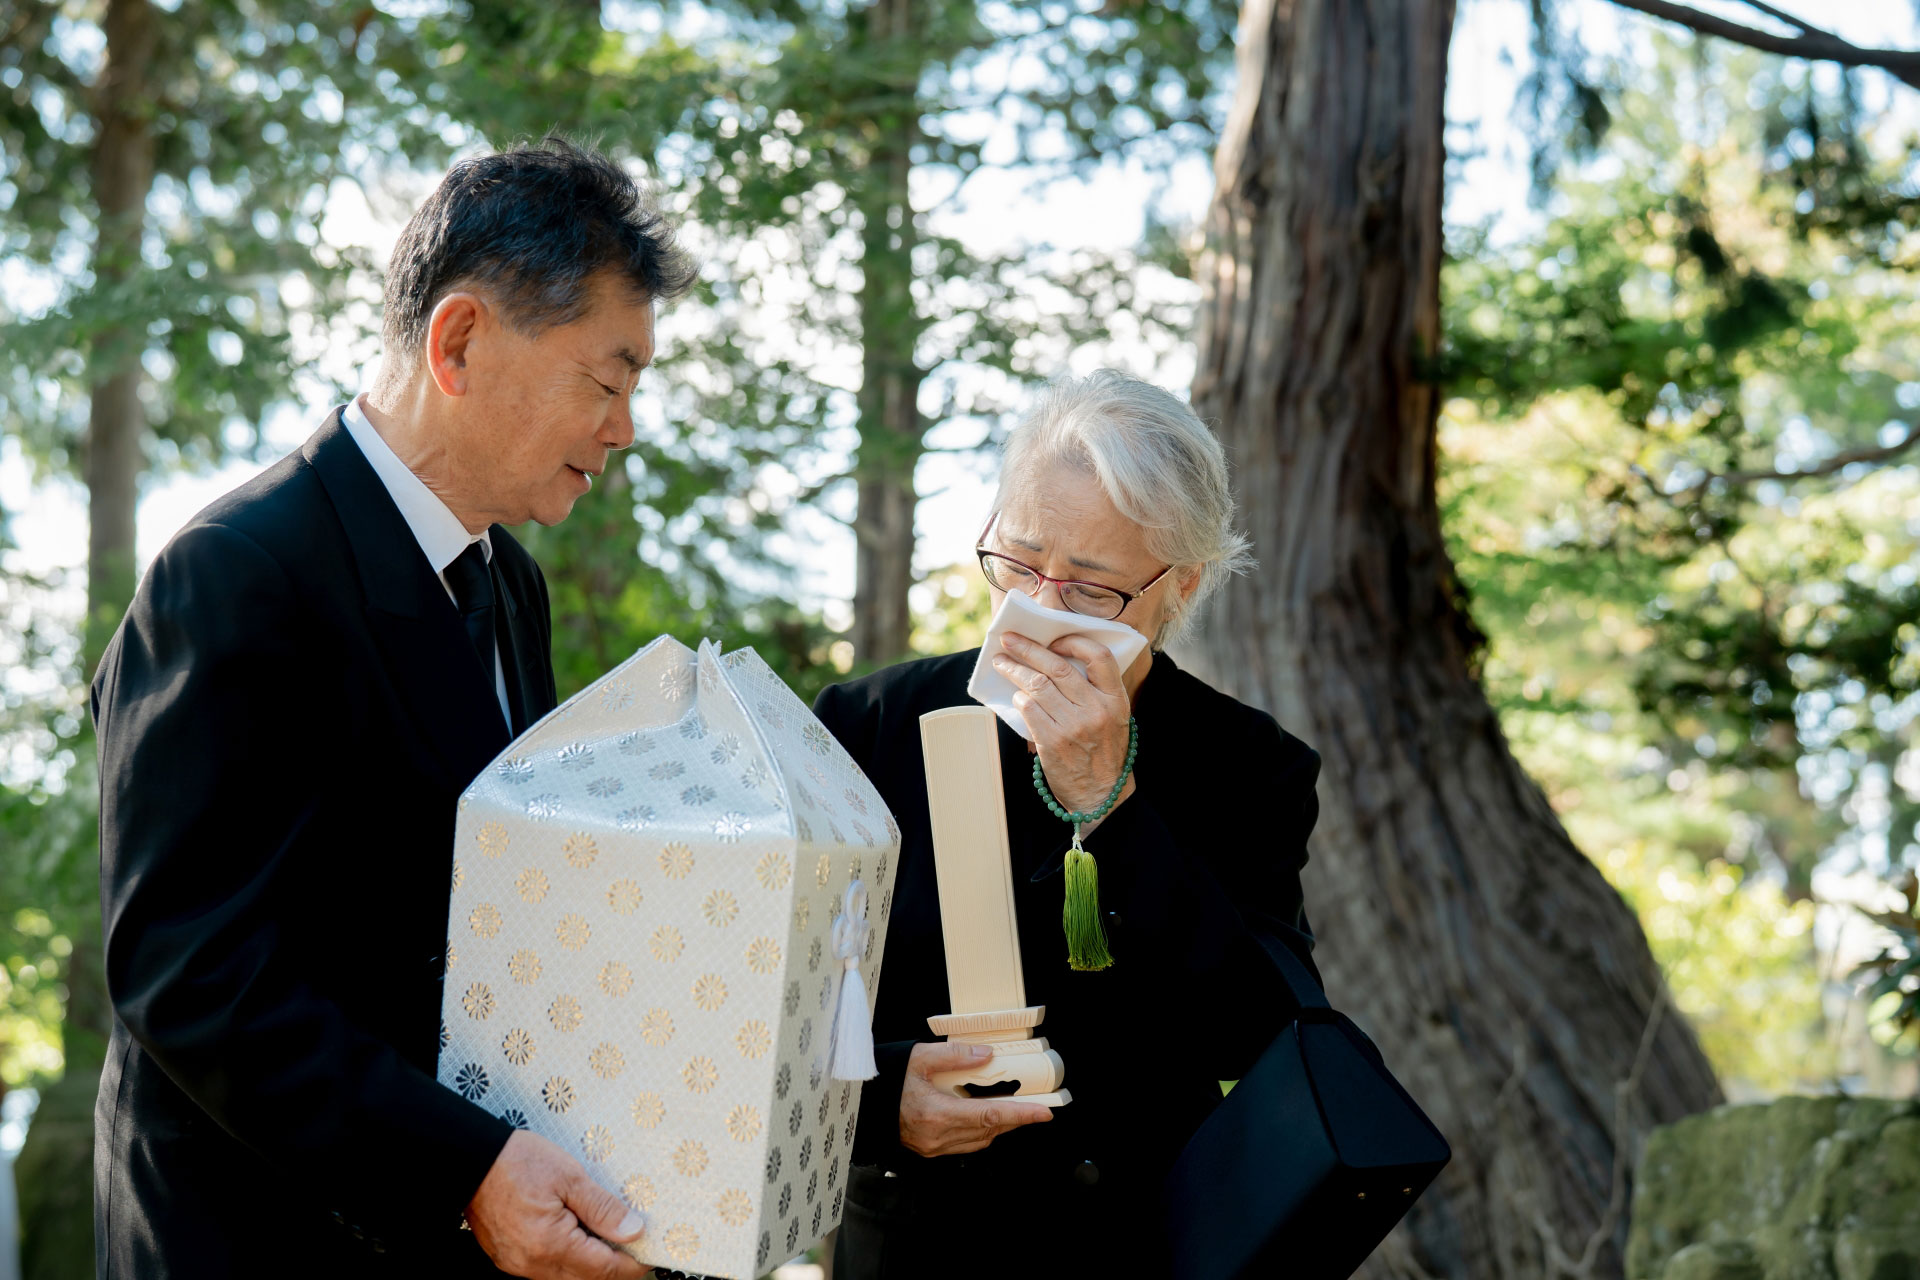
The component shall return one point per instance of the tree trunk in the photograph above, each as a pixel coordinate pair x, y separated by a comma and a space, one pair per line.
122, 173
56, 1162
890, 423
1507, 983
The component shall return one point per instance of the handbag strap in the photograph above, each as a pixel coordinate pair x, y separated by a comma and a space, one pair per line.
1307, 994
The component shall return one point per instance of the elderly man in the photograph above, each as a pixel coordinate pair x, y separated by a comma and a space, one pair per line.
311, 672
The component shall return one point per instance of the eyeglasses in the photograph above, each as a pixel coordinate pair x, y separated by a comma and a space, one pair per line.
1089, 598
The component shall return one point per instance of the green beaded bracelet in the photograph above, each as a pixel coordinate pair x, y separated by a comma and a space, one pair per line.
1113, 797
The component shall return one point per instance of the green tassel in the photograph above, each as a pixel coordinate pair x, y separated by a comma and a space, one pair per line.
1086, 939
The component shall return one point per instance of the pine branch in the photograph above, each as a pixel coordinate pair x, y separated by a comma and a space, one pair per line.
1781, 15
1825, 467
1812, 44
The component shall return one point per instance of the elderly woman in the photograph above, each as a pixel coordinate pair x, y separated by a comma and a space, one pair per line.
1113, 503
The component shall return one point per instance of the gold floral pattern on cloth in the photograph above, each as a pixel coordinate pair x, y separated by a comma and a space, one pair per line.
596, 1144
676, 860
623, 897
700, 1074
647, 1109
665, 944
774, 870
524, 965
682, 1241
564, 1013
635, 833
573, 931
606, 1060
656, 1027
638, 1191
478, 1001
763, 955
754, 1039
709, 991
615, 978
734, 1206
720, 908
690, 1158
453, 956
580, 850
743, 1123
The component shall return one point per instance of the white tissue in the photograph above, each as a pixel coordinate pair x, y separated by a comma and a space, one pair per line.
1020, 613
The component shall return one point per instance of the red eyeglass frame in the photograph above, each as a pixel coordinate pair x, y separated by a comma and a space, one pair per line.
981, 551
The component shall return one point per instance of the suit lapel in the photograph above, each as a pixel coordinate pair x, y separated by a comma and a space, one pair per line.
414, 623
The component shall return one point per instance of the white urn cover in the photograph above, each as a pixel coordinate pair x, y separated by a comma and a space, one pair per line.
641, 954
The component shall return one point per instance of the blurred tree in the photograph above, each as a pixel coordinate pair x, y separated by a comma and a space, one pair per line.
807, 142
1513, 987
1730, 330
163, 177
167, 173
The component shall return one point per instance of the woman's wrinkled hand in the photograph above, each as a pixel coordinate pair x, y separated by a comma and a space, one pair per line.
1078, 722
935, 1123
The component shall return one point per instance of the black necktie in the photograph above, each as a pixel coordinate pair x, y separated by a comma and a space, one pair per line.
473, 592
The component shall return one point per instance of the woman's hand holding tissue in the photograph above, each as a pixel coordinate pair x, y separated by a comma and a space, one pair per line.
1079, 722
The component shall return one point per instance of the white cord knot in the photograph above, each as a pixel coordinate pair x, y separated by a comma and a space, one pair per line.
850, 1052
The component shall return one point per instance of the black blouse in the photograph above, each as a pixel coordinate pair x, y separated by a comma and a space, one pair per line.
1203, 857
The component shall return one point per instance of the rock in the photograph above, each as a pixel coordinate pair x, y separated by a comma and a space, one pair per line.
1794, 1189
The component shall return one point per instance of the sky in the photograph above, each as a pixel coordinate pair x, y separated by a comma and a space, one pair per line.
992, 211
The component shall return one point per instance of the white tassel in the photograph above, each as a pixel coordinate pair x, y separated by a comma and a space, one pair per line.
850, 1051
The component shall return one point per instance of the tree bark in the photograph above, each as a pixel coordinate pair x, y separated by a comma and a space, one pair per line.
56, 1160
122, 171
890, 424
1508, 984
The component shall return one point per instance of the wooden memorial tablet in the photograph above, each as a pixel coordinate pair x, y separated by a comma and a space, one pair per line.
971, 862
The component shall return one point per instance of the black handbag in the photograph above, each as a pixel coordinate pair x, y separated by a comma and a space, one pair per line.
1308, 1162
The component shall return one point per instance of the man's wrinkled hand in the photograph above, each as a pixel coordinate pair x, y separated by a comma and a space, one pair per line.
538, 1214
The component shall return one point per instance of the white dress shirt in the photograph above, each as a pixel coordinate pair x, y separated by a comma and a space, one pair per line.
438, 531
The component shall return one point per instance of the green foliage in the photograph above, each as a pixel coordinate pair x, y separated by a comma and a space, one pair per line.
49, 873
257, 108
1895, 972
607, 603
956, 610
1678, 490
797, 140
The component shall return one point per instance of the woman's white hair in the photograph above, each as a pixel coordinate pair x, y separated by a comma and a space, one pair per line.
1159, 464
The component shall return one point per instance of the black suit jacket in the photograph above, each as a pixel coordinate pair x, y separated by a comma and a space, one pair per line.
1200, 861
286, 718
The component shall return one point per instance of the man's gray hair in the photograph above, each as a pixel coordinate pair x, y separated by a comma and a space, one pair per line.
1159, 464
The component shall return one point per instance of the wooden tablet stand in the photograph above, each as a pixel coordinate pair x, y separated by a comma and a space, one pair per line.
977, 920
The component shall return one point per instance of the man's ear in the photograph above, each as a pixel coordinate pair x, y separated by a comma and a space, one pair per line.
456, 320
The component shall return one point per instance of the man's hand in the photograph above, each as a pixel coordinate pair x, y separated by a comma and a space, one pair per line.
539, 1215
935, 1123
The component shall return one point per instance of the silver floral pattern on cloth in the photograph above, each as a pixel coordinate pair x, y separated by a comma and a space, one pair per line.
641, 883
